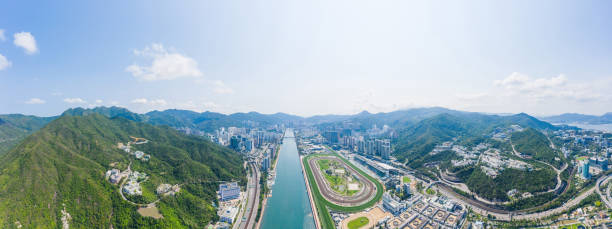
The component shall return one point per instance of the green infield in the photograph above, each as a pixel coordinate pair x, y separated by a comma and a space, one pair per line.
322, 204
358, 223
406, 179
338, 177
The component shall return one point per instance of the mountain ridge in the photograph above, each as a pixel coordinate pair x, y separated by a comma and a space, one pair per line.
64, 164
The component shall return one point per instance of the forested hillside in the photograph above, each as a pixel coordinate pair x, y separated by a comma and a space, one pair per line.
533, 143
416, 140
64, 164
15, 127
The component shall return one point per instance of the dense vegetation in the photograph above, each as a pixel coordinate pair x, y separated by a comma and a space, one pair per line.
205, 121
469, 129
497, 188
535, 144
64, 164
210, 121
419, 139
16, 127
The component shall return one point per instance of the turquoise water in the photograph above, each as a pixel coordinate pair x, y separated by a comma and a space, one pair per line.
289, 206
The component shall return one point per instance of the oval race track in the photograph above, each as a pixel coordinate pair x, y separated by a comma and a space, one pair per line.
367, 193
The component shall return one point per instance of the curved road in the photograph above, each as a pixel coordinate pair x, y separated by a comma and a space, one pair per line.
508, 215
606, 197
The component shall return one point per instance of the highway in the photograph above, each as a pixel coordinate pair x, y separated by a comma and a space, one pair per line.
606, 197
253, 191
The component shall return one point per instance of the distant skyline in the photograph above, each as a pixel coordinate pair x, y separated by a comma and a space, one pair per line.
307, 58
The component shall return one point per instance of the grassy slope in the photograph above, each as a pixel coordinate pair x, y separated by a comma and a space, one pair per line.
322, 204
64, 163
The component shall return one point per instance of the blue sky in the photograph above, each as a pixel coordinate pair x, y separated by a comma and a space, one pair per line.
306, 57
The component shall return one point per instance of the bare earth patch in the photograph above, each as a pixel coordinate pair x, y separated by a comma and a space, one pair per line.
150, 211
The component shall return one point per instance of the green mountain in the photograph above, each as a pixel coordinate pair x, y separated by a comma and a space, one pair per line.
110, 112
568, 118
469, 129
419, 139
15, 127
205, 121
64, 163
533, 143
397, 119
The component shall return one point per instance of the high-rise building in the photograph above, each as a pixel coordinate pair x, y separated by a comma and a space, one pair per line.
265, 163
235, 143
585, 169
603, 163
406, 189
331, 136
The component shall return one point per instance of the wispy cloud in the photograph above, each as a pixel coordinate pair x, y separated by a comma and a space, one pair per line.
165, 64
198, 106
152, 102
26, 41
2, 37
35, 101
541, 88
74, 100
4, 63
220, 88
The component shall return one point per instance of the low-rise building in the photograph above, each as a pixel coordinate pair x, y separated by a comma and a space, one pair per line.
392, 204
229, 191
138, 154
114, 175
132, 188
228, 214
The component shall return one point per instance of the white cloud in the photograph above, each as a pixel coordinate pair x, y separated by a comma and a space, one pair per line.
152, 102
521, 82
98, 101
517, 84
221, 88
35, 101
74, 100
197, 106
2, 37
165, 65
140, 101
158, 102
4, 63
26, 41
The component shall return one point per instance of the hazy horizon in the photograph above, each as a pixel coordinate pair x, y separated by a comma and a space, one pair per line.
303, 116
307, 58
